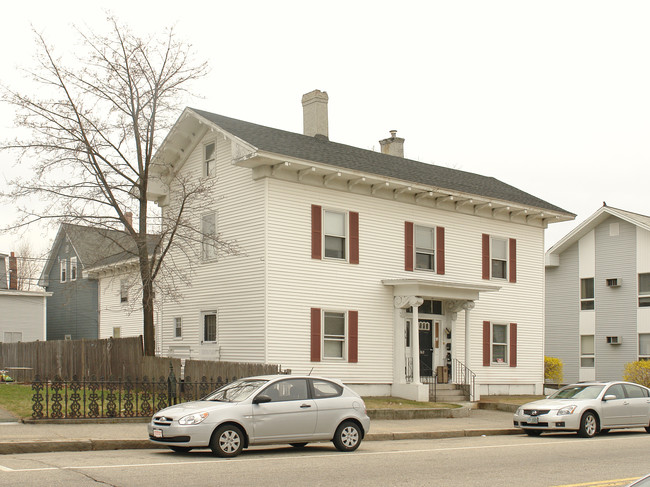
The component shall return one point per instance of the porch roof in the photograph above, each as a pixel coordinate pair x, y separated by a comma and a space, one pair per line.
436, 288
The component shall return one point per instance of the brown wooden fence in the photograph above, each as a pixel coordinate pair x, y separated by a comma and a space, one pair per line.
113, 357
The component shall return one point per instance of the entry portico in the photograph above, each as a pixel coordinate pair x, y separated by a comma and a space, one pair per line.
449, 297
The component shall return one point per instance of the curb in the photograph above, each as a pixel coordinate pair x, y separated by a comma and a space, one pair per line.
47, 446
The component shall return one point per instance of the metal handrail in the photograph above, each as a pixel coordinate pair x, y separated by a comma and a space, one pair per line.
464, 376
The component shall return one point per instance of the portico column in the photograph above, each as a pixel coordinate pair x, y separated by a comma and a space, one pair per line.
401, 303
469, 305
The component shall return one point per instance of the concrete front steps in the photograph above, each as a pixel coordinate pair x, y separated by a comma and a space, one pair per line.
447, 393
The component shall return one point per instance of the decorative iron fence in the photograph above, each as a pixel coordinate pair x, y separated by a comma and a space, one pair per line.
114, 398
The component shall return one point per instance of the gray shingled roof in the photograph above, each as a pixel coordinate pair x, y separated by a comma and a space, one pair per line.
319, 149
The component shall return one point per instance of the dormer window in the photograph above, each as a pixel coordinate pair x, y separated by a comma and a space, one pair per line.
209, 158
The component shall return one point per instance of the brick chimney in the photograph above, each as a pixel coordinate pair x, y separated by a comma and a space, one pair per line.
314, 112
393, 146
13, 272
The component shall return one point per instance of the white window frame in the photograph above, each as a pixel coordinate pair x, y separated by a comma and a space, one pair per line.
327, 338
586, 357
124, 291
506, 260
644, 294
13, 336
344, 237
67, 337
208, 240
587, 303
63, 270
210, 165
73, 268
204, 314
117, 331
424, 250
178, 327
646, 354
505, 345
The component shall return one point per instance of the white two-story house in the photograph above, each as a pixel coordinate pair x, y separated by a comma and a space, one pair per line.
366, 266
598, 295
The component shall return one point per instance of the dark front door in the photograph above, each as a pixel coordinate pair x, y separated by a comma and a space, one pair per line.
426, 347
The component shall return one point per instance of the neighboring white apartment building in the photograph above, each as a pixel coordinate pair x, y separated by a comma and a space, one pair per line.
598, 295
355, 264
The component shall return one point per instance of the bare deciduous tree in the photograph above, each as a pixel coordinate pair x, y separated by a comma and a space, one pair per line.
93, 128
29, 266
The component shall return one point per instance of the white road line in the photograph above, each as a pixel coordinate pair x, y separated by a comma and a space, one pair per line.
336, 455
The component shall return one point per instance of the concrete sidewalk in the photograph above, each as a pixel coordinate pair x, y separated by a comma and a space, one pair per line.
17, 437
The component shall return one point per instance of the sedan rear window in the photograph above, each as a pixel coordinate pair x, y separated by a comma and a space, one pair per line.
235, 391
578, 392
324, 388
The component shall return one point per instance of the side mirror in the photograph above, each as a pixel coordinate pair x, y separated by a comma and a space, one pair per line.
609, 397
262, 398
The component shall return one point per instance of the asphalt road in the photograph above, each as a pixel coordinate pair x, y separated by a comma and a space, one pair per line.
553, 460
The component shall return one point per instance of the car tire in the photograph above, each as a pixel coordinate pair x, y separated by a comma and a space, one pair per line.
647, 428
298, 445
181, 449
347, 437
604, 431
588, 425
533, 432
227, 441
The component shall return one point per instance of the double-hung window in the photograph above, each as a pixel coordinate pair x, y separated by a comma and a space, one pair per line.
587, 351
124, 291
73, 268
644, 289
425, 248
178, 327
209, 236
334, 230
587, 293
210, 327
63, 270
644, 346
499, 344
333, 335
209, 159
499, 257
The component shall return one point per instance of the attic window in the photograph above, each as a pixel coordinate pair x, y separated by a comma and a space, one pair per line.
210, 163
73, 268
63, 270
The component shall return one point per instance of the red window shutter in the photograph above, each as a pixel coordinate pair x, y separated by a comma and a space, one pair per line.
485, 258
486, 344
440, 250
315, 334
513, 344
353, 336
513, 260
354, 237
316, 232
408, 246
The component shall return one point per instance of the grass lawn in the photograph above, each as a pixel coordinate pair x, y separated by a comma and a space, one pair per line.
384, 402
16, 398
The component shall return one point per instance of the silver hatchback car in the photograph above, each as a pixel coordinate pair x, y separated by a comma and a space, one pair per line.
588, 408
265, 410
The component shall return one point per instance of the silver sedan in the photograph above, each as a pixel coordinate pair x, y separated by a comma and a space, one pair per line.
264, 410
588, 408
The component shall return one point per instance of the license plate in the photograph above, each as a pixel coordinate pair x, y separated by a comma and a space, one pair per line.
531, 420
157, 433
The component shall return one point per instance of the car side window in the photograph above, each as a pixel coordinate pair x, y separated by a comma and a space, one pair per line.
287, 390
635, 391
324, 388
616, 390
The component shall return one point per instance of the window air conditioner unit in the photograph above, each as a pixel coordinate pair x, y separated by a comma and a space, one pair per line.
614, 282
615, 340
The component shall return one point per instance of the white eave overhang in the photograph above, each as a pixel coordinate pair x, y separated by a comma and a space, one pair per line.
434, 288
266, 164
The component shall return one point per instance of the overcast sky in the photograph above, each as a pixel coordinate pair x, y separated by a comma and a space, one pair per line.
552, 97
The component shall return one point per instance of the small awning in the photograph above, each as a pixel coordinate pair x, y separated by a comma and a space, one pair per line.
434, 288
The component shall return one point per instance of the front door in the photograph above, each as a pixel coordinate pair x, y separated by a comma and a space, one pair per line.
426, 347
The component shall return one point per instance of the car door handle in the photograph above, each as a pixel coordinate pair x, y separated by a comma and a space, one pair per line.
303, 406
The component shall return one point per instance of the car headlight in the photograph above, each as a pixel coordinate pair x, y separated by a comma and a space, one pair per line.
519, 411
566, 410
195, 418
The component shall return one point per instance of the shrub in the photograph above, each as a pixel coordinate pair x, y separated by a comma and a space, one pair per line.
553, 370
638, 372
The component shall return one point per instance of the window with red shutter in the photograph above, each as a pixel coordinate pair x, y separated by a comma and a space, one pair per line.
487, 338
315, 334
512, 257
316, 232
353, 336
408, 246
485, 256
440, 250
353, 218
513, 344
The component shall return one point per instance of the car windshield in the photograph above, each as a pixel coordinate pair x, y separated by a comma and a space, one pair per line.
577, 392
235, 391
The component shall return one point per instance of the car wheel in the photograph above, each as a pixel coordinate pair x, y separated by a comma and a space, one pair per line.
533, 432
180, 449
604, 431
647, 428
588, 425
298, 445
347, 436
227, 441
